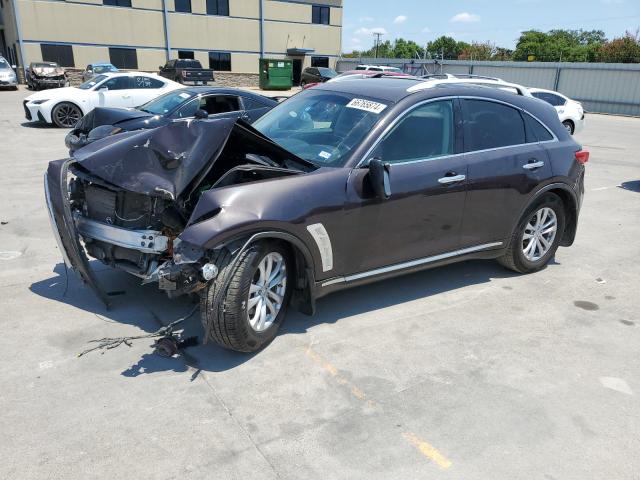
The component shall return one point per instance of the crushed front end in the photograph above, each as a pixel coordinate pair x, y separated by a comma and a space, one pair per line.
126, 201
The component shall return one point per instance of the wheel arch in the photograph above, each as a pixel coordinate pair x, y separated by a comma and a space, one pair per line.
60, 102
570, 203
303, 295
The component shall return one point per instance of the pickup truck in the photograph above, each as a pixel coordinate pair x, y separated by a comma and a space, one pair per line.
187, 71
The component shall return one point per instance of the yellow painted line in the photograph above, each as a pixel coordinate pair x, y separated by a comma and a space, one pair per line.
428, 451
335, 373
425, 448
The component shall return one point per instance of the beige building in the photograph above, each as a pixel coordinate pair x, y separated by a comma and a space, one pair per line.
226, 35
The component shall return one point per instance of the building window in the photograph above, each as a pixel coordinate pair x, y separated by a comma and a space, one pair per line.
218, 7
117, 3
320, 15
125, 58
188, 54
220, 61
183, 6
61, 54
320, 62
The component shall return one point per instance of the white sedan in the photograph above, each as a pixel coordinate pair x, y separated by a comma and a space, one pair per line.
570, 112
65, 106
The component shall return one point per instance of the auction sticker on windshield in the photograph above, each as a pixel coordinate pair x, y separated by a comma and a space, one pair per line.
366, 105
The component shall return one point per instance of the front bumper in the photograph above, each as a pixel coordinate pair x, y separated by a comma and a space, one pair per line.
8, 83
64, 228
44, 82
34, 113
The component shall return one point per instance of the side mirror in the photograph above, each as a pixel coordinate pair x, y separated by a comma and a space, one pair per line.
160, 67
103, 89
201, 114
379, 178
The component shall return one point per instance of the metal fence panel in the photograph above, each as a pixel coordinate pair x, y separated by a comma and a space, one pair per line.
601, 87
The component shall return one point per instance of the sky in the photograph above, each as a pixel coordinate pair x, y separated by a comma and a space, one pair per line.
499, 21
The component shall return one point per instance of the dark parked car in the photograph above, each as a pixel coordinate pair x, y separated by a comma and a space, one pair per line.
41, 75
186, 71
333, 188
177, 104
316, 75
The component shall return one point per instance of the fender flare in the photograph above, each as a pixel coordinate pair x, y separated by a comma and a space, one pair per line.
306, 304
539, 193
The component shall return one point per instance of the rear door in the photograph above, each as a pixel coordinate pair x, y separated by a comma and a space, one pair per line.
505, 165
143, 89
423, 216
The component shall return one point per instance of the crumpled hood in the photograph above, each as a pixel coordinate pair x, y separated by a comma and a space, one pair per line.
48, 71
107, 116
164, 161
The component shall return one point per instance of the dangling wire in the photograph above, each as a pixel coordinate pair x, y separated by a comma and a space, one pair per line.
110, 343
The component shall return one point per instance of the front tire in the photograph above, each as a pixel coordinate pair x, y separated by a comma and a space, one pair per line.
537, 236
66, 115
247, 316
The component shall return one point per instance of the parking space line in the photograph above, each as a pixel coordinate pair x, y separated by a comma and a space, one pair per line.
428, 450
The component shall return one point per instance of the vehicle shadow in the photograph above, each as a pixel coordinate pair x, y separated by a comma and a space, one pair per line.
41, 125
632, 186
145, 307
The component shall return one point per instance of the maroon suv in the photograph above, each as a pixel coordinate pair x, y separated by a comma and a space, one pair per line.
345, 183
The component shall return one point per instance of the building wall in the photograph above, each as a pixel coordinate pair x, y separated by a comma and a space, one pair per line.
91, 28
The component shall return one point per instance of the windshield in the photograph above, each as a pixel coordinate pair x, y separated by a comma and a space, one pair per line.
3, 63
321, 127
89, 84
328, 72
104, 68
166, 103
44, 65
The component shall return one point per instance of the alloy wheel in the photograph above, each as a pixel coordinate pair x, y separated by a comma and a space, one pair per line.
267, 291
67, 115
539, 234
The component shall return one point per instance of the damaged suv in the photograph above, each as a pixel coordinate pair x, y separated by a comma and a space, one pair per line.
330, 189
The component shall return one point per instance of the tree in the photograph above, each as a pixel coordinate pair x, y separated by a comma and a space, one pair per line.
446, 47
621, 50
478, 51
559, 45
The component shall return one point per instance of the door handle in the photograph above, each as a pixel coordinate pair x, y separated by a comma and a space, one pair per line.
533, 165
126, 96
452, 179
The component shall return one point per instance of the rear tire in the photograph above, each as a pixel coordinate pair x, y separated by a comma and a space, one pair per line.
530, 248
568, 125
227, 317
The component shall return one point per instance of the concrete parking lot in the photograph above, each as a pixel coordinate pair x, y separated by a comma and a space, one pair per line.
467, 371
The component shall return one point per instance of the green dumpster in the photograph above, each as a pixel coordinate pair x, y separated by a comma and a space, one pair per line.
276, 74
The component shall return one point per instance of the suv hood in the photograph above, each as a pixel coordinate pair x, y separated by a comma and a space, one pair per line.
169, 161
107, 116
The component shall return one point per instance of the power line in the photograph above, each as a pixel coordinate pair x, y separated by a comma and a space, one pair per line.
377, 35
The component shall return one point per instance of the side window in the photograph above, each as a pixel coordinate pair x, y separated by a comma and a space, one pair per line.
557, 100
117, 83
426, 132
251, 104
220, 104
188, 110
536, 132
140, 81
491, 125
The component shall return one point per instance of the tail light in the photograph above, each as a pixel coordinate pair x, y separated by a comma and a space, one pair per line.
582, 157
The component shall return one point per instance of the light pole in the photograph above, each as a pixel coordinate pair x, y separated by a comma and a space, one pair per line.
377, 35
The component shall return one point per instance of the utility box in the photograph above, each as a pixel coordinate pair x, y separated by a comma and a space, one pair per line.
276, 74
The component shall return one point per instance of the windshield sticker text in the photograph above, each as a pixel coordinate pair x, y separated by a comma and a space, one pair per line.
367, 105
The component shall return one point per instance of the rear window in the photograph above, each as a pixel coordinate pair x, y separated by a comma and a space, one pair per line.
491, 125
188, 64
536, 132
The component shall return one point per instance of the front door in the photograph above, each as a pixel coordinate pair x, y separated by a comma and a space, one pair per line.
506, 164
297, 70
116, 92
423, 215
